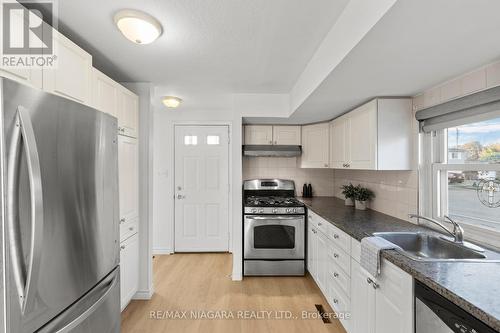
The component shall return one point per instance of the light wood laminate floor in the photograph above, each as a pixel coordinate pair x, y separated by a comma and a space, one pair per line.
201, 281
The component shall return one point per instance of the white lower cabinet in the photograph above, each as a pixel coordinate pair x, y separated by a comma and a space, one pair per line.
384, 304
129, 269
363, 301
375, 305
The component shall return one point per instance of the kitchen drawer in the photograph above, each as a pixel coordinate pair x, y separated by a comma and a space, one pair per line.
339, 238
338, 257
318, 222
339, 277
338, 299
356, 250
128, 229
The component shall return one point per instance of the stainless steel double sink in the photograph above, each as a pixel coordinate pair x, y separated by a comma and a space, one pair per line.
427, 247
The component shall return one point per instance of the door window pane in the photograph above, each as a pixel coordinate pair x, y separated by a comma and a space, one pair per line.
190, 140
274, 236
213, 139
475, 143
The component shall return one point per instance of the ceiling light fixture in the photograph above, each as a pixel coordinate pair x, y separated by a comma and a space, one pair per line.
137, 26
171, 101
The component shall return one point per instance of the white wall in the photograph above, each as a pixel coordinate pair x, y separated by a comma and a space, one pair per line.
163, 170
262, 105
322, 180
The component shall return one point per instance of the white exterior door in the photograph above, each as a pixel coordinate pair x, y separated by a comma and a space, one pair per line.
201, 188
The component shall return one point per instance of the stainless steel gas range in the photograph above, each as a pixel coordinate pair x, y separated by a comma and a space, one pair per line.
274, 228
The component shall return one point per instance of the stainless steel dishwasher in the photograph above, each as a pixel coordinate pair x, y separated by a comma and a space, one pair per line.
436, 314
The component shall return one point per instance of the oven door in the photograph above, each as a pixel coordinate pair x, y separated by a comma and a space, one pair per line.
274, 237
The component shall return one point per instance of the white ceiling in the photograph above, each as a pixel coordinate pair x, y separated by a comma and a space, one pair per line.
230, 46
416, 45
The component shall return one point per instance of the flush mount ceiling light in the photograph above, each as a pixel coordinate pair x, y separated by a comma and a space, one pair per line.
171, 101
137, 26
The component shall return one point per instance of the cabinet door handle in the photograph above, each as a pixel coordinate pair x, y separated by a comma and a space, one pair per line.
326, 165
375, 285
131, 228
122, 220
369, 281
335, 236
275, 142
122, 247
335, 301
335, 255
320, 224
271, 142
336, 275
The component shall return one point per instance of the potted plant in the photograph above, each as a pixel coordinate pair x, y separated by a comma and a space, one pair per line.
349, 191
362, 195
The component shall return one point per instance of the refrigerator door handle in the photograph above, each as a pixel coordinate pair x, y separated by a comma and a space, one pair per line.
25, 278
63, 324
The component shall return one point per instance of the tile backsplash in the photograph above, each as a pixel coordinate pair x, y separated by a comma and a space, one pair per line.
395, 191
322, 180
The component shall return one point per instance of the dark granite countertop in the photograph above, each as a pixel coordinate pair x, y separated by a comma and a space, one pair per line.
473, 286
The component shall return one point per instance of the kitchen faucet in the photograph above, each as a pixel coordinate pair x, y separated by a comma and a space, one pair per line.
457, 233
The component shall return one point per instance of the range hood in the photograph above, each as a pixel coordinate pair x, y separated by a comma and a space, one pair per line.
272, 150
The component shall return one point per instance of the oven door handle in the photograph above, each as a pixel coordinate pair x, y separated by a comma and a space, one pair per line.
297, 217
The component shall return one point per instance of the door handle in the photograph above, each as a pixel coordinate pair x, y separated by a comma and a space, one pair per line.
293, 217
25, 277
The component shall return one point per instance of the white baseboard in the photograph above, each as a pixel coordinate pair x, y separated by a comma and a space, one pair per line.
143, 294
162, 251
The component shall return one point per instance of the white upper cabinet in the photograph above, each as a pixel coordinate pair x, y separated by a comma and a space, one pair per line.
286, 135
128, 113
31, 76
128, 178
258, 135
338, 142
104, 93
362, 137
315, 146
28, 76
110, 97
375, 136
272, 135
71, 76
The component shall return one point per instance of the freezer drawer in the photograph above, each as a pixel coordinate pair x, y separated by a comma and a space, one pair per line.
97, 311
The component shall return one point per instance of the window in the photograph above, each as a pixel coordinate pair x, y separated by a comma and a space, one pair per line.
190, 140
213, 139
463, 175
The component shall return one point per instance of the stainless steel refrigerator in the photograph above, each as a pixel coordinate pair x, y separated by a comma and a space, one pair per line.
60, 243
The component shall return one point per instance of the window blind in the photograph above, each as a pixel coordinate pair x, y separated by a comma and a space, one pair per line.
479, 106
